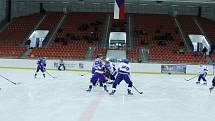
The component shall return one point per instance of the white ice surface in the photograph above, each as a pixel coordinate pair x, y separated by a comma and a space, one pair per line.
165, 98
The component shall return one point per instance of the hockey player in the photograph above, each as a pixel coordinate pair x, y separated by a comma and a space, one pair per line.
98, 59
98, 62
98, 74
110, 71
213, 85
94, 68
123, 74
61, 64
41, 64
202, 74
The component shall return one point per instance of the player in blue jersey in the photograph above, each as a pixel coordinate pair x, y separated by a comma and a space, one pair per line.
41, 65
94, 68
123, 74
202, 74
97, 62
98, 75
98, 59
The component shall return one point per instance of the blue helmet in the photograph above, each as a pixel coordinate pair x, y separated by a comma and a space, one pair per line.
98, 62
125, 61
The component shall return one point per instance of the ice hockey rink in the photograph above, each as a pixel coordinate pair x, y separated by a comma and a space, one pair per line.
165, 98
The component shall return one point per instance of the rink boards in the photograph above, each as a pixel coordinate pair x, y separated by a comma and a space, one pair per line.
140, 68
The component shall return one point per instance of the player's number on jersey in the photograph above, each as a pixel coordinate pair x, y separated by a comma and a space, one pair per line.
125, 67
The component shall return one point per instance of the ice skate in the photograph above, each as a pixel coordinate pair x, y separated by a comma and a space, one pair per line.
105, 88
211, 88
88, 90
129, 92
113, 92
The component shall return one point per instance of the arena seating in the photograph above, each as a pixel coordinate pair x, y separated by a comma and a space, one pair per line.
101, 51
52, 18
60, 52
134, 54
155, 32
208, 26
158, 34
11, 38
188, 25
75, 36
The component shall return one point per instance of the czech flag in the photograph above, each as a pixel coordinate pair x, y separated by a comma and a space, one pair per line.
119, 9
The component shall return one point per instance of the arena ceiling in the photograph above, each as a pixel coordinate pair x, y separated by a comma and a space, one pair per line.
160, 1
172, 3
192, 1
129, 1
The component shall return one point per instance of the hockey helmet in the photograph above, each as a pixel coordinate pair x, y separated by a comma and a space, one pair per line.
125, 61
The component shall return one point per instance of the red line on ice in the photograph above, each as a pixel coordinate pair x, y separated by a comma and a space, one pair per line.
88, 114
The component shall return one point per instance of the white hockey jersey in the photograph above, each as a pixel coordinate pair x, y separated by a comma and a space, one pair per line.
123, 67
203, 69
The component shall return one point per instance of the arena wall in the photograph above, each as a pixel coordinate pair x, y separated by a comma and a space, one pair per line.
2, 10
142, 68
26, 7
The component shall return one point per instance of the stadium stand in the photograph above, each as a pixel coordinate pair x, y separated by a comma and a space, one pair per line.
11, 38
188, 25
75, 36
208, 26
155, 32
101, 51
52, 18
159, 34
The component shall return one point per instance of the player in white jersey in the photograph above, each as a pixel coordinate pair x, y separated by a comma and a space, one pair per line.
123, 74
202, 74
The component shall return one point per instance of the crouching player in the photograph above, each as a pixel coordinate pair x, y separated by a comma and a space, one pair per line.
98, 74
110, 71
123, 74
98, 62
41, 65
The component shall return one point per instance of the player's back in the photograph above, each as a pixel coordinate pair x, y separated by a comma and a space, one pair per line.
123, 67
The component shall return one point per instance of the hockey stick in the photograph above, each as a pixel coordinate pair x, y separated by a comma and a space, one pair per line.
137, 90
191, 78
50, 75
10, 80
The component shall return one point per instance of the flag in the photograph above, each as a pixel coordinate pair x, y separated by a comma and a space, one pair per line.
119, 9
